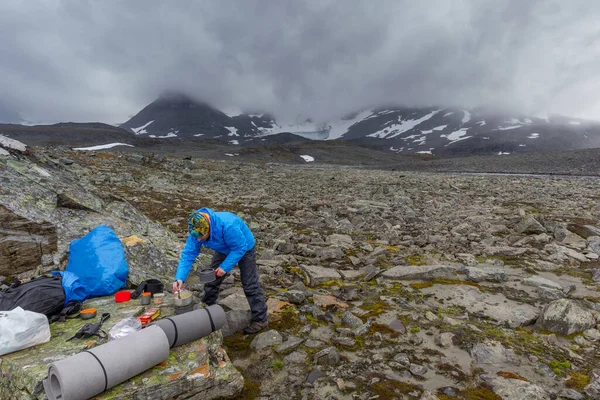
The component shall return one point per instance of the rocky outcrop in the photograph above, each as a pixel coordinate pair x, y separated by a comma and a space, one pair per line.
25, 246
44, 208
565, 317
198, 370
421, 272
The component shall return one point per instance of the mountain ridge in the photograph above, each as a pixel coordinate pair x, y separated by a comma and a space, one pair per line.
440, 131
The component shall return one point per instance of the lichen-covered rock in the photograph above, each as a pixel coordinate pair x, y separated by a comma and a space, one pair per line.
25, 245
197, 370
593, 390
318, 274
485, 273
351, 320
420, 272
266, 339
516, 389
492, 352
529, 225
565, 317
64, 208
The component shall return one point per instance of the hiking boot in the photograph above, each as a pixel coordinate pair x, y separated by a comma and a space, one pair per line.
255, 327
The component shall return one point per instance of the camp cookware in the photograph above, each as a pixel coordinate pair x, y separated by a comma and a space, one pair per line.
184, 298
88, 313
122, 296
207, 275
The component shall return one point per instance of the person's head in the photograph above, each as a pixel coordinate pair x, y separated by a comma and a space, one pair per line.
199, 225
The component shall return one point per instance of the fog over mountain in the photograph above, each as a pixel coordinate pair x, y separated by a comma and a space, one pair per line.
103, 61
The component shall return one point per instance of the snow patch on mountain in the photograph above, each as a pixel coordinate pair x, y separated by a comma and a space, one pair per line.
102, 146
448, 114
339, 128
168, 135
380, 113
142, 129
467, 117
533, 136
457, 136
232, 131
308, 158
507, 128
394, 130
234, 142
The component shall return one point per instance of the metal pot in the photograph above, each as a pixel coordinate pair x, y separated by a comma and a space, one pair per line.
183, 298
207, 275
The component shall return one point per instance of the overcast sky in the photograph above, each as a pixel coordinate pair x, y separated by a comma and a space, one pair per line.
84, 60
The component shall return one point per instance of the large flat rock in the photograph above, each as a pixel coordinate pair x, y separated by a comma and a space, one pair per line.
318, 274
420, 272
494, 306
197, 370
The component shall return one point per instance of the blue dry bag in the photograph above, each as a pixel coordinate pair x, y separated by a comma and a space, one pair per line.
97, 266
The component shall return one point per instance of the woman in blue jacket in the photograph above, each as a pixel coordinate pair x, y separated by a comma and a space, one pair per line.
233, 243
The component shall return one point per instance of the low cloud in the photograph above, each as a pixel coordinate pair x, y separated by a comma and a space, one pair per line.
103, 61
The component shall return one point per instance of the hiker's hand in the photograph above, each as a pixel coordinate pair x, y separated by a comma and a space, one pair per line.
220, 272
177, 286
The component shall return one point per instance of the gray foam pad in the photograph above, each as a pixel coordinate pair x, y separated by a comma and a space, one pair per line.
91, 372
185, 328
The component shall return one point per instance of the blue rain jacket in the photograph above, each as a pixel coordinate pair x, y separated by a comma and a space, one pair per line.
229, 235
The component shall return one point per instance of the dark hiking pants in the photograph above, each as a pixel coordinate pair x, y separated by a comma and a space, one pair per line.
250, 283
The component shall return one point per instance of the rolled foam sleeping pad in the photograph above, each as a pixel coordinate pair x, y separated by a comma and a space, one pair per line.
193, 325
91, 372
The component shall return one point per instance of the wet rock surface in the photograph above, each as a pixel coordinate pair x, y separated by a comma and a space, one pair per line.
200, 369
380, 283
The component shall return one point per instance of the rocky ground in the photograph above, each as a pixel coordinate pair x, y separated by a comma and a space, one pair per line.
389, 284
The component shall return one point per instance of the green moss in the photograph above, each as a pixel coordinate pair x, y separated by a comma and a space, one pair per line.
511, 375
237, 345
415, 329
381, 328
558, 367
359, 343
330, 283
508, 260
250, 391
387, 389
277, 364
313, 321
479, 393
415, 259
574, 272
438, 281
578, 381
374, 309
522, 341
289, 320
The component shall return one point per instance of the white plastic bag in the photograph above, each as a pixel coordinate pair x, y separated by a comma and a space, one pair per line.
20, 329
123, 328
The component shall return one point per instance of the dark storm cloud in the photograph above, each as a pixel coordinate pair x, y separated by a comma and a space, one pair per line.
92, 60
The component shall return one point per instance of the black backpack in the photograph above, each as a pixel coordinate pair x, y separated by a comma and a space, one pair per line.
44, 295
